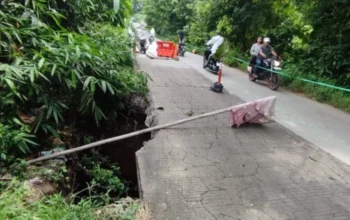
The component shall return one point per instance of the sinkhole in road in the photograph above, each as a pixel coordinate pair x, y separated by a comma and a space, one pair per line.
124, 152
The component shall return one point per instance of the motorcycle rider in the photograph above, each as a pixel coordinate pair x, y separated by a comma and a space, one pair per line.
254, 50
266, 50
181, 37
181, 40
217, 49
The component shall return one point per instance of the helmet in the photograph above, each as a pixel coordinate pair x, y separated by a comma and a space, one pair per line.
267, 40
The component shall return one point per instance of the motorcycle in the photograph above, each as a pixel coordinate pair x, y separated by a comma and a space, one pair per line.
181, 51
267, 74
210, 63
144, 39
142, 45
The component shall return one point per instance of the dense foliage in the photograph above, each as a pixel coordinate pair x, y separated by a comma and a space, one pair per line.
66, 69
61, 60
167, 16
311, 34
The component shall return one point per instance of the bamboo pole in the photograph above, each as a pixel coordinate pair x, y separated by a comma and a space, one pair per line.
132, 134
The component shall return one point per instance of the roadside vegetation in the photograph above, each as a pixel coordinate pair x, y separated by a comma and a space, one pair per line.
13, 205
311, 36
66, 72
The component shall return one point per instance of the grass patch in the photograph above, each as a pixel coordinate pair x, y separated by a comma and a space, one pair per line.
199, 50
13, 205
336, 98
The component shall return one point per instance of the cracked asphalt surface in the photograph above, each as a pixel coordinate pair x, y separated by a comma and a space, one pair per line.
207, 170
321, 124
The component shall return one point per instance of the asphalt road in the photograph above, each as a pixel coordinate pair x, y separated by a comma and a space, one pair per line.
324, 126
206, 170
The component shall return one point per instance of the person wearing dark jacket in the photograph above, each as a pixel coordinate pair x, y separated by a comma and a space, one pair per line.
181, 37
266, 51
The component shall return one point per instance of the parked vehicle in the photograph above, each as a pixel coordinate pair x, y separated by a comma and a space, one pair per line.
268, 73
209, 62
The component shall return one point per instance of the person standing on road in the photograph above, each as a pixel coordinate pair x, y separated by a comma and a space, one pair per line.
255, 50
181, 43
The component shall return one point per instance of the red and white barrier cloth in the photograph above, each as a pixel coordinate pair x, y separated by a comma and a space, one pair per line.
259, 111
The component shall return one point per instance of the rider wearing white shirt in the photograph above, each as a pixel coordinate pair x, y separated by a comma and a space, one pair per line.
216, 41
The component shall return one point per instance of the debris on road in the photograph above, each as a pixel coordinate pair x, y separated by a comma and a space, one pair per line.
152, 50
189, 113
311, 158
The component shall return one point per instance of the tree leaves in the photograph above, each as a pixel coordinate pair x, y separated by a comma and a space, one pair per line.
166, 16
312, 34
56, 66
41, 63
47, 67
53, 69
14, 140
87, 82
104, 86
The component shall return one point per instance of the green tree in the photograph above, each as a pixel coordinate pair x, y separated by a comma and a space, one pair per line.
311, 34
328, 53
168, 16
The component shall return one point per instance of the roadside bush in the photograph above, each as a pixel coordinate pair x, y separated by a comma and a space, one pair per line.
333, 97
108, 180
50, 75
14, 141
105, 175
230, 56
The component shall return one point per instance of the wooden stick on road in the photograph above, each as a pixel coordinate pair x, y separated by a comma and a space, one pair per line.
132, 134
